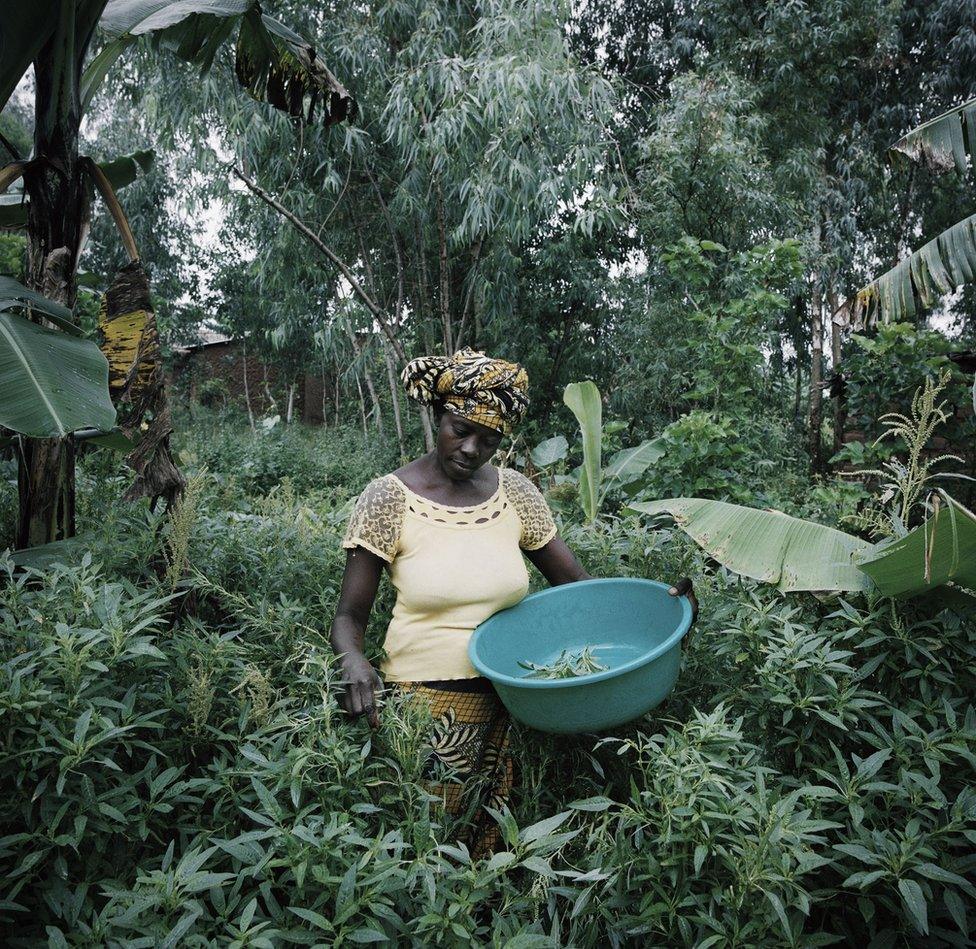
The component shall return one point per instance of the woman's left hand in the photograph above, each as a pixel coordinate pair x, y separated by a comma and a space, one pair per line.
684, 588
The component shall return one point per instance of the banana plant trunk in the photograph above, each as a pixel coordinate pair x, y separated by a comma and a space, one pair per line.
56, 219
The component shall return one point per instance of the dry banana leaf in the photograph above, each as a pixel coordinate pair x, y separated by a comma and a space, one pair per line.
130, 342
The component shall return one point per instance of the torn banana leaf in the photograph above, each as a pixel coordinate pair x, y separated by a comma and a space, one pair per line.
941, 265
130, 342
940, 550
944, 143
770, 546
273, 63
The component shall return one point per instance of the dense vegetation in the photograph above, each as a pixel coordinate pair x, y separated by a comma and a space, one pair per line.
180, 769
676, 201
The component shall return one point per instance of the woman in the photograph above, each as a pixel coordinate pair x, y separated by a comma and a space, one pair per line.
451, 529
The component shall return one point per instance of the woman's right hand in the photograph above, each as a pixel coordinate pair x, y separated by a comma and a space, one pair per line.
362, 686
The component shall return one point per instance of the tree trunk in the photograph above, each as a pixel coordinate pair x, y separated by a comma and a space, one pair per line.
362, 408
357, 346
325, 402
291, 403
837, 385
395, 396
57, 216
247, 390
445, 277
816, 365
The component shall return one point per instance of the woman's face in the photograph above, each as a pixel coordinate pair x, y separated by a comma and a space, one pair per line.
463, 446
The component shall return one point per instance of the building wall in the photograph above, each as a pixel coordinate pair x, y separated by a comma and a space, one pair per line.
194, 372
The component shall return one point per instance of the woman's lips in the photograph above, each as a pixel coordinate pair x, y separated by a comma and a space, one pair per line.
462, 465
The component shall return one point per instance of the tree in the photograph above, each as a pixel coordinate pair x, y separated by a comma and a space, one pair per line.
272, 62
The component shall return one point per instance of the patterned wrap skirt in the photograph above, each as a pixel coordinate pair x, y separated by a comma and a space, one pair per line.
470, 740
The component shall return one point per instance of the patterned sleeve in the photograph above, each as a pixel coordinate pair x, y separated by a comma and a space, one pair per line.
376, 519
538, 526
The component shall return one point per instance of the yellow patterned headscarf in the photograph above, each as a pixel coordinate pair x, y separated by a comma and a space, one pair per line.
491, 392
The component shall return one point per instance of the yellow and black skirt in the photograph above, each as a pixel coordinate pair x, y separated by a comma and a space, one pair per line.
470, 741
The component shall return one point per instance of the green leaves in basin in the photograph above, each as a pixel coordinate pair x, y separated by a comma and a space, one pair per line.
583, 399
52, 383
940, 550
791, 553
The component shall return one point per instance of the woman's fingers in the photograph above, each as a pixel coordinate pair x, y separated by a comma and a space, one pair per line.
682, 588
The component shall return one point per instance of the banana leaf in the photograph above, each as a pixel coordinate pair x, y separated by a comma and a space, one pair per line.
940, 550
125, 169
24, 29
941, 265
16, 295
770, 546
52, 383
274, 64
44, 556
630, 463
943, 143
583, 399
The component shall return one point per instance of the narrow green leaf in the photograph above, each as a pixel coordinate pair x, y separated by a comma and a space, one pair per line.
914, 901
583, 399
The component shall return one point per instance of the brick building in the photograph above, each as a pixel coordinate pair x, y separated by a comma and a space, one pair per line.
217, 370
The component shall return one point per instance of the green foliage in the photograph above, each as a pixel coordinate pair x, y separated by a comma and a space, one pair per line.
728, 307
185, 772
726, 457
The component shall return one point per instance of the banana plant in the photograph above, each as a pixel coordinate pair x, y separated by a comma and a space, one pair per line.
272, 63
583, 399
54, 381
796, 554
945, 143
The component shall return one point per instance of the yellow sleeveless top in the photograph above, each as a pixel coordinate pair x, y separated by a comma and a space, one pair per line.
451, 567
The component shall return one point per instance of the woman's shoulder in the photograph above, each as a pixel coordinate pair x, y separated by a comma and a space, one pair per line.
384, 489
517, 484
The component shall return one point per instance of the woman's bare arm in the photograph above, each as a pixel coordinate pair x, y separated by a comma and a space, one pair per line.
360, 581
558, 564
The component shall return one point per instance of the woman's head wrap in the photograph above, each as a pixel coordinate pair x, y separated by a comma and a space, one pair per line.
491, 392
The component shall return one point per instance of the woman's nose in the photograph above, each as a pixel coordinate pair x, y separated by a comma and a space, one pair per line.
469, 447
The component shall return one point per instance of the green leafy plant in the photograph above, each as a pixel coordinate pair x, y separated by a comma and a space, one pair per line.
904, 484
567, 665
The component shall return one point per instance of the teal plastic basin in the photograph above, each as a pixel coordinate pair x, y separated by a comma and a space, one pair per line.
634, 628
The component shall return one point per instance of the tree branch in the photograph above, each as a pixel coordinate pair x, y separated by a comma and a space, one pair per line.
320, 245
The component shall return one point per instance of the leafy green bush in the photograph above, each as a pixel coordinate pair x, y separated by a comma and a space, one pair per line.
314, 459
726, 457
177, 769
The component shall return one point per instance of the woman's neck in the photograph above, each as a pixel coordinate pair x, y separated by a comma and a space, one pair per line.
425, 476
